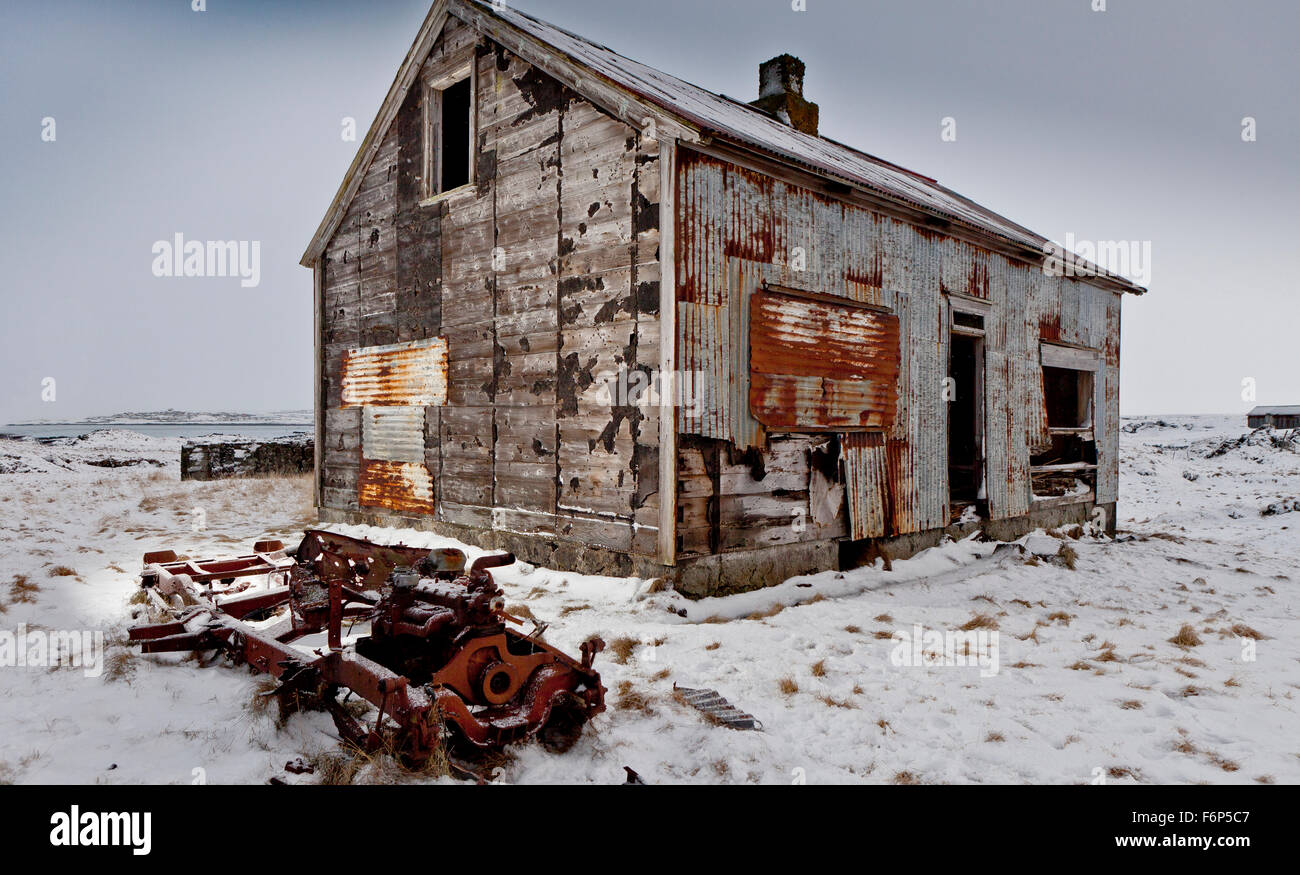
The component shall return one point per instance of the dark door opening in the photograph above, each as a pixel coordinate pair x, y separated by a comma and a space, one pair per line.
966, 420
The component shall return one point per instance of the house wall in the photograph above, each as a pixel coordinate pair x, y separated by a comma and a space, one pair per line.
741, 487
1274, 420
542, 278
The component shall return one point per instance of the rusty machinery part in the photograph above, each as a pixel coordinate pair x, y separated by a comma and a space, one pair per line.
441, 655
369, 565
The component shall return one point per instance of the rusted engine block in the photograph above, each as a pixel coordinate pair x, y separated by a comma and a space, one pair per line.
442, 656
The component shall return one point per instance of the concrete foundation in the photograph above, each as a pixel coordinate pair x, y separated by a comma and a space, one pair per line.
736, 571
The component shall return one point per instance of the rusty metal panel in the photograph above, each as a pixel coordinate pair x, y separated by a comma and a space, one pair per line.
1107, 408
864, 261
1008, 382
1023, 374
742, 282
917, 451
902, 485
1041, 315
700, 239
866, 475
996, 435
741, 231
402, 487
917, 447
399, 375
393, 434
703, 330
1095, 316
929, 327
964, 268
819, 365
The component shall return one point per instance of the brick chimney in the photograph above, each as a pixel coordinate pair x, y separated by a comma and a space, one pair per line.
780, 92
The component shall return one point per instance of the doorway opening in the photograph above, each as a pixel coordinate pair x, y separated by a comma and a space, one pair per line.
966, 422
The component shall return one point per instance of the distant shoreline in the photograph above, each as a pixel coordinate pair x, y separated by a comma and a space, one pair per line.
156, 422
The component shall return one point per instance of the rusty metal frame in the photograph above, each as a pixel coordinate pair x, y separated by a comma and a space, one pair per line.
412, 718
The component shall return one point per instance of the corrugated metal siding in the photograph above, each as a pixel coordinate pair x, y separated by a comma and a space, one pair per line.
820, 365
393, 434
737, 122
394, 385
398, 375
1043, 293
929, 329
1107, 407
743, 280
402, 487
866, 474
996, 432
1022, 376
897, 480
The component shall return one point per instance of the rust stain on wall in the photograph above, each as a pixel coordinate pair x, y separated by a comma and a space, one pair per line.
1049, 326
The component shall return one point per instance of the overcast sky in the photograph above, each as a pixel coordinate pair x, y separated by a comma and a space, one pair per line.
225, 125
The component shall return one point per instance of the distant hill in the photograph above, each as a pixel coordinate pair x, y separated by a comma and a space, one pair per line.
187, 417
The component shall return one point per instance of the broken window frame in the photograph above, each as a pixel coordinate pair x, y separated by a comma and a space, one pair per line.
1081, 433
433, 127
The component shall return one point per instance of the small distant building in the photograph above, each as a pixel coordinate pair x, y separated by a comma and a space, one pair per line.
1287, 416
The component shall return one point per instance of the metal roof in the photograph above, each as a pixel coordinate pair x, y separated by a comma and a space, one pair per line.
696, 107
746, 125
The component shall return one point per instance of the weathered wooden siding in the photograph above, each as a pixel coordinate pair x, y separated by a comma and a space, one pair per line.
739, 228
542, 278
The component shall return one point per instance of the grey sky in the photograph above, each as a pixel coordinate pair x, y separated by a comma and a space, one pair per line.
1120, 125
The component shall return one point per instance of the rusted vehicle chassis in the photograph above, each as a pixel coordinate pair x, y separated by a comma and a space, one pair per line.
441, 657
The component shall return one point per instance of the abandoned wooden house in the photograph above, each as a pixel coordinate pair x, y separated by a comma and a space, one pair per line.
1285, 416
574, 307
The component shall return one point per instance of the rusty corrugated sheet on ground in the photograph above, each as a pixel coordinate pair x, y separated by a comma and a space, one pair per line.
821, 365
402, 487
400, 375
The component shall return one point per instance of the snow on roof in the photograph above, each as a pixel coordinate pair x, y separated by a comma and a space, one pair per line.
1276, 410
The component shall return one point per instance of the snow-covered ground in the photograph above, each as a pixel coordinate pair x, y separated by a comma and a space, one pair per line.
1086, 684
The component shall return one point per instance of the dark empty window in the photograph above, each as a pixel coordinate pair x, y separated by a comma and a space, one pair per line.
1067, 466
1068, 398
456, 129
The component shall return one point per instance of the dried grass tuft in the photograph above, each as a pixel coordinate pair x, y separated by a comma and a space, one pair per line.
979, 621
621, 649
